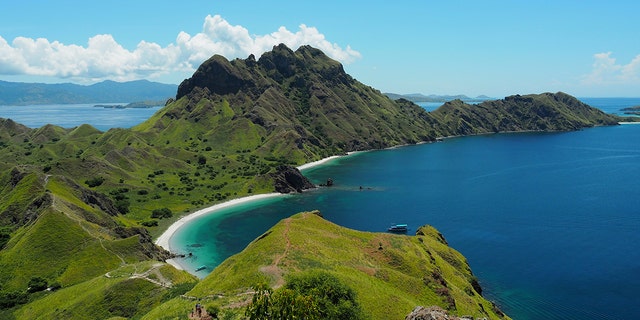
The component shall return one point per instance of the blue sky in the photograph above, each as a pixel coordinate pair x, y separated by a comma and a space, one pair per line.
497, 48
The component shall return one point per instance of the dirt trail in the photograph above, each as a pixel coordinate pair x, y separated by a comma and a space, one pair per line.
273, 269
58, 207
285, 234
162, 281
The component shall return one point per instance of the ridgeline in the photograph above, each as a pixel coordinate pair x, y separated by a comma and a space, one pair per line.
79, 207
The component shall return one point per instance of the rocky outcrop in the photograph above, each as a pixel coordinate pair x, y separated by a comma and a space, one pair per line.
288, 179
433, 313
217, 74
147, 247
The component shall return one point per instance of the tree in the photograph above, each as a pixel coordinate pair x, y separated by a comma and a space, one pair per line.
311, 295
37, 284
161, 213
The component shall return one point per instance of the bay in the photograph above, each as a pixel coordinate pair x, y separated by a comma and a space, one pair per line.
548, 221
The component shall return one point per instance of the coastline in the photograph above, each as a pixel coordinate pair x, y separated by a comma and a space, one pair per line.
317, 163
164, 239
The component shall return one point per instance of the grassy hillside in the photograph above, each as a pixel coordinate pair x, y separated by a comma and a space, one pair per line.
540, 112
128, 292
391, 274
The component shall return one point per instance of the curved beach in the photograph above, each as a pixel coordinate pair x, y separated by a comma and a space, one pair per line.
164, 239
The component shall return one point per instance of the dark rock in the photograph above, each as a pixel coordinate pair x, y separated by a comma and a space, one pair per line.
16, 177
218, 75
147, 247
432, 313
289, 179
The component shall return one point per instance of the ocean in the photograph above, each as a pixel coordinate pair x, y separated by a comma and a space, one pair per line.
73, 115
549, 222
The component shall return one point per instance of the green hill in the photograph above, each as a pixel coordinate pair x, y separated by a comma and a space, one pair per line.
391, 274
77, 204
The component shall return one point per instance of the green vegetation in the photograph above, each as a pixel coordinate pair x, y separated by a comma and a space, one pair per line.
161, 213
310, 295
79, 204
368, 275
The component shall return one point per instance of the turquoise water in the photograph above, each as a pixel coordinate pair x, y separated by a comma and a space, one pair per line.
548, 221
73, 115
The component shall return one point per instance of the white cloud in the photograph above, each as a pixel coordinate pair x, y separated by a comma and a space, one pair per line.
104, 58
607, 71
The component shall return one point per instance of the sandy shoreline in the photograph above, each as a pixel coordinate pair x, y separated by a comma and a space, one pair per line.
317, 163
163, 239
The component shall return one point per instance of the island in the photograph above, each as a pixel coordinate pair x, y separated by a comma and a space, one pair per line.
139, 104
81, 207
635, 110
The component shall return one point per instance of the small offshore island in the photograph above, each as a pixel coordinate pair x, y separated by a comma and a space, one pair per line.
140, 104
235, 128
635, 110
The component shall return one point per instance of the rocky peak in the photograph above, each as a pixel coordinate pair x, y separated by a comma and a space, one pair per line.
217, 74
280, 59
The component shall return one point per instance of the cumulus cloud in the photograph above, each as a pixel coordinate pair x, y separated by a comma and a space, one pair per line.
104, 58
607, 71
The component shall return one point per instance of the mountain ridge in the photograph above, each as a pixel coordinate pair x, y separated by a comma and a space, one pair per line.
20, 93
419, 97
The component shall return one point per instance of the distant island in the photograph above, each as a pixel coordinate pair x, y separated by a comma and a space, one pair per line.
20, 93
139, 104
635, 110
418, 97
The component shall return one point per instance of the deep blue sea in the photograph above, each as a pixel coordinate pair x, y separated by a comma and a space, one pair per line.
549, 222
73, 115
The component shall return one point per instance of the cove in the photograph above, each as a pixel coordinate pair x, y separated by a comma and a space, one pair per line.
548, 221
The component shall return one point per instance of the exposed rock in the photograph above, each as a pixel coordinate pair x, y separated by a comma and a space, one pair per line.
289, 179
16, 176
217, 74
433, 313
147, 247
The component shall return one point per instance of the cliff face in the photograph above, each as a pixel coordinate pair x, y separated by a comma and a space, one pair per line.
289, 179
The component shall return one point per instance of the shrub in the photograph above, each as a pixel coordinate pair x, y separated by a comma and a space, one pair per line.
122, 205
5, 235
311, 295
12, 299
161, 213
37, 284
150, 223
94, 182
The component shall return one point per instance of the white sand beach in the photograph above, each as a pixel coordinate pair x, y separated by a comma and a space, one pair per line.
317, 163
163, 240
